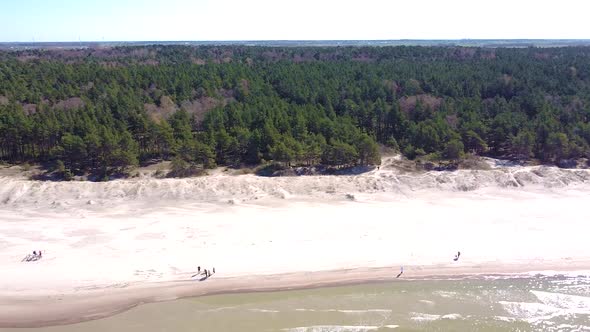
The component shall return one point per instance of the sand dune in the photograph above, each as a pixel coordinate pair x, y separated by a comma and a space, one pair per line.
220, 188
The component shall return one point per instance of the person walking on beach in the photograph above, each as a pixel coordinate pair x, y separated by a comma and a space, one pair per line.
213, 270
198, 269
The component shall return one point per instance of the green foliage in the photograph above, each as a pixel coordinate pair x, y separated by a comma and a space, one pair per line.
67, 175
410, 152
282, 153
368, 151
340, 154
61, 171
74, 151
474, 143
392, 143
454, 149
557, 146
435, 156
103, 114
522, 144
179, 167
204, 155
420, 152
60, 167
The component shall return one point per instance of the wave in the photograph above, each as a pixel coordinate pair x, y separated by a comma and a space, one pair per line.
446, 294
362, 311
551, 306
577, 274
505, 319
264, 310
346, 311
219, 309
572, 303
338, 328
422, 317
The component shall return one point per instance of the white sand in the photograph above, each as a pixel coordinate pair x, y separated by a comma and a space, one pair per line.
108, 235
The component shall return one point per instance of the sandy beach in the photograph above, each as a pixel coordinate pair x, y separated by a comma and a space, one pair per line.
111, 246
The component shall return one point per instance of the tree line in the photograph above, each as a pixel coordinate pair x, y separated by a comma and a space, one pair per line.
90, 111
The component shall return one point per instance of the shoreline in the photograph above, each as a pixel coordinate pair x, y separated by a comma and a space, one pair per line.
32, 311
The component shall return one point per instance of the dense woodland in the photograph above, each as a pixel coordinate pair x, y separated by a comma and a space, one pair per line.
105, 109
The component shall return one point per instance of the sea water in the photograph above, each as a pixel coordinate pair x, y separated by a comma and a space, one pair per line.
553, 302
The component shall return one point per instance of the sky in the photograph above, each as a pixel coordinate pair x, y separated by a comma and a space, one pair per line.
175, 20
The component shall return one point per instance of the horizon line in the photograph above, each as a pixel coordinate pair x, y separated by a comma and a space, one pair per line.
294, 40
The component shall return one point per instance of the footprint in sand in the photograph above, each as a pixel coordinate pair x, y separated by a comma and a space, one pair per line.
151, 273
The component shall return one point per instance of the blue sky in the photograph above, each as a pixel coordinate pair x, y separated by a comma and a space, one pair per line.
114, 20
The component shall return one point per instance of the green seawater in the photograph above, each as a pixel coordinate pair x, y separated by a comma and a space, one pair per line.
493, 303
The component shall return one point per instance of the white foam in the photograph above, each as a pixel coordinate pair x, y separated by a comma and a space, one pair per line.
552, 305
505, 319
531, 312
572, 303
360, 311
445, 294
219, 309
334, 328
451, 316
572, 328
554, 273
423, 317
346, 311
264, 310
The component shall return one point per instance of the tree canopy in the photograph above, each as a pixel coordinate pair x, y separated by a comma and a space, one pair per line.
102, 110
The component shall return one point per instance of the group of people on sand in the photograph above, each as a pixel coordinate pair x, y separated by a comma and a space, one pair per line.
206, 272
37, 255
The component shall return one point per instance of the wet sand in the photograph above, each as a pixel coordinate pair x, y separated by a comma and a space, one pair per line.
39, 311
